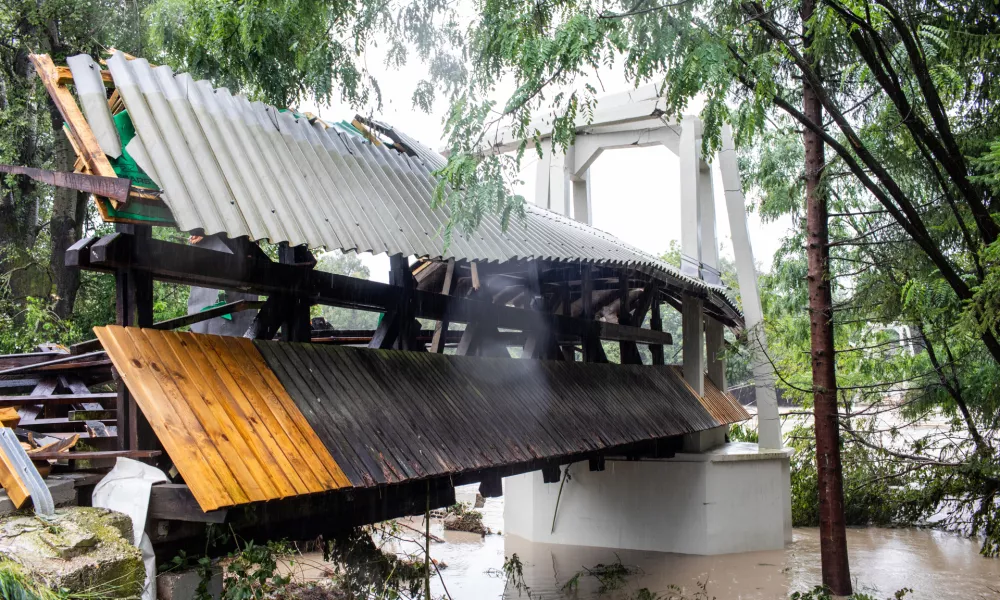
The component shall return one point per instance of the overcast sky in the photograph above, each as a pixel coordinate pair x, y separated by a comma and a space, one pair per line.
634, 191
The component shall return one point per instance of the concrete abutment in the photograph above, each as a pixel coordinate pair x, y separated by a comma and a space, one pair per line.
730, 498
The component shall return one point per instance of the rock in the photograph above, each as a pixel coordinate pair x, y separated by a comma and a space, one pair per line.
83, 550
184, 585
468, 521
480, 501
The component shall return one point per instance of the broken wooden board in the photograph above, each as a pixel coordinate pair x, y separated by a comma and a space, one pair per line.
9, 417
10, 479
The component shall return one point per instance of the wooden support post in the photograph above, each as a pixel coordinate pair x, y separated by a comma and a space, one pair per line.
268, 319
628, 349
656, 324
593, 350
409, 328
441, 330
295, 325
480, 335
541, 342
133, 308
568, 352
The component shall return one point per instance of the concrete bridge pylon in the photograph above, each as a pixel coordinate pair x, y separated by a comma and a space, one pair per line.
714, 497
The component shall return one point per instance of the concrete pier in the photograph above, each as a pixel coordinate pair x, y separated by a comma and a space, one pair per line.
730, 498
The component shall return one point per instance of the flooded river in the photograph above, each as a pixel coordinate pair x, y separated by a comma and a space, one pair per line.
934, 564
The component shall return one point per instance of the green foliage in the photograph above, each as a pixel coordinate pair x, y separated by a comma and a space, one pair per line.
870, 497
282, 52
252, 572
16, 585
822, 593
365, 570
345, 263
611, 577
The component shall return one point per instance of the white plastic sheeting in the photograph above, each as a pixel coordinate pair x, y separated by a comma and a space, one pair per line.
229, 165
126, 489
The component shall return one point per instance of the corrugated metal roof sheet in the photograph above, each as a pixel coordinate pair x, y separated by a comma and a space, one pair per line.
224, 419
388, 416
244, 168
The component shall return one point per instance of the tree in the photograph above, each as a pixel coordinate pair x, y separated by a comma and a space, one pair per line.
898, 75
345, 263
38, 223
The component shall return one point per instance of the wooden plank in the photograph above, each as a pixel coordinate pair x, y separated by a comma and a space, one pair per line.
58, 445
45, 387
441, 329
58, 361
181, 441
274, 400
74, 384
9, 417
17, 360
11, 481
237, 423
79, 130
54, 399
57, 423
65, 77
276, 451
175, 502
88, 455
224, 454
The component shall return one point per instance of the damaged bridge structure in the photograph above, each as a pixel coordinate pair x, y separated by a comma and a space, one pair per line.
489, 363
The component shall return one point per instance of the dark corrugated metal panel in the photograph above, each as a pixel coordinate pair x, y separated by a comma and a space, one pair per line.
225, 420
229, 165
388, 416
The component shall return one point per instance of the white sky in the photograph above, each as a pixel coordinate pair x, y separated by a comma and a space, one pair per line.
634, 192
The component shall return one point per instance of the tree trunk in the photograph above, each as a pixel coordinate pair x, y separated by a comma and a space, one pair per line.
66, 223
833, 536
19, 203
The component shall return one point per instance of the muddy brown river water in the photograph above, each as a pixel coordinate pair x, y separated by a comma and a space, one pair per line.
934, 564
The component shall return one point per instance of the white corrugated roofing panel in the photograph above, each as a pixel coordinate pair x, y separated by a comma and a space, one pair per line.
228, 165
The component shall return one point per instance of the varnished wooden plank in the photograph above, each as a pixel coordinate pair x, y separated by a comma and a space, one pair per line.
204, 464
178, 386
304, 445
11, 481
182, 446
210, 410
323, 428
253, 427
290, 474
